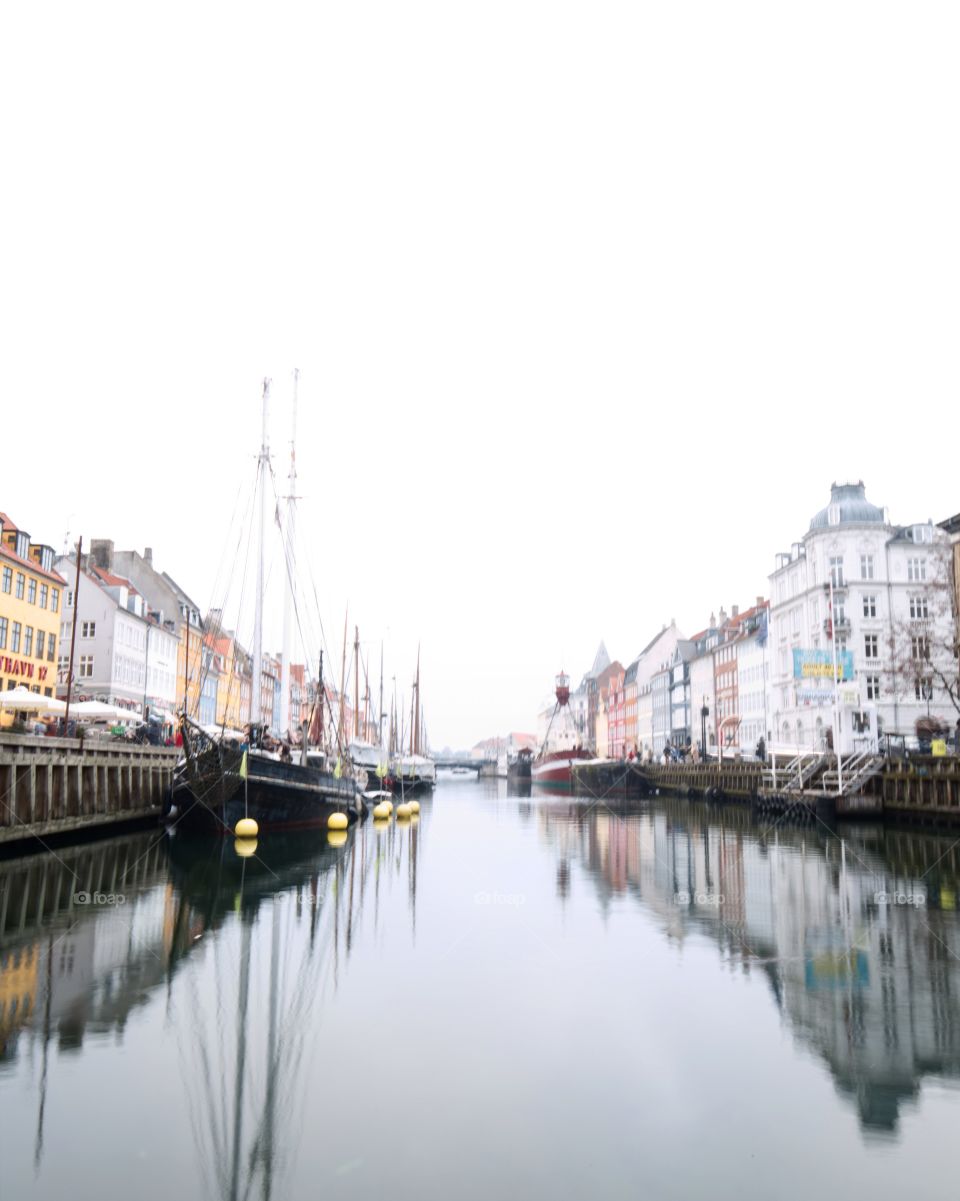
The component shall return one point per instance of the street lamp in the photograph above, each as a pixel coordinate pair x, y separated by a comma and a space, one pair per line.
704, 714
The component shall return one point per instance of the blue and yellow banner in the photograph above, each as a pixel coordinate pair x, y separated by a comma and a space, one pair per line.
817, 664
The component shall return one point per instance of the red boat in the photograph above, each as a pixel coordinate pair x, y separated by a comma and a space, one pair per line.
554, 764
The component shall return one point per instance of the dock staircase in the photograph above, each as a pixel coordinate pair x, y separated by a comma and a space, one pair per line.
857, 772
796, 777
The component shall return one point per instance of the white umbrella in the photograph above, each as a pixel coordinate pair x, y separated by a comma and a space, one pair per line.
96, 711
23, 698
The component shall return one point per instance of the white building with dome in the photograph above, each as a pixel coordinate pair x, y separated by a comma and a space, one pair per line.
891, 611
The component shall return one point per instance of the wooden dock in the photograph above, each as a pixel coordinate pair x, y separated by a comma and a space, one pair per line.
54, 786
921, 787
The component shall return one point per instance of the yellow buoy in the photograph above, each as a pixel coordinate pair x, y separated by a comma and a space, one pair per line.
336, 838
245, 847
414, 806
337, 821
403, 810
382, 811
246, 827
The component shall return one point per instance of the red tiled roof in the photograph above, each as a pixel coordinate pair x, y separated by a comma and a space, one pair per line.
30, 564
111, 580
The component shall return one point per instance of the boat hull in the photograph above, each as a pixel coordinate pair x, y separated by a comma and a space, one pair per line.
556, 769
278, 796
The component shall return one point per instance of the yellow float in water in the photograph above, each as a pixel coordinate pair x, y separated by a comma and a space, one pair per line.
337, 821
246, 827
382, 811
414, 806
403, 811
336, 838
245, 847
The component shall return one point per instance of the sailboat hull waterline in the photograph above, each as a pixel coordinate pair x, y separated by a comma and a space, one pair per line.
413, 773
210, 793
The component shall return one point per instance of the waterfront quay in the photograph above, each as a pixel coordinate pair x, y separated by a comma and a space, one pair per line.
68, 786
919, 788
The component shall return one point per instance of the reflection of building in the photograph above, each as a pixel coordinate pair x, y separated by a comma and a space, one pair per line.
861, 959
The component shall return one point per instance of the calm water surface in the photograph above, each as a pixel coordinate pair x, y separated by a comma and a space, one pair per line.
523, 997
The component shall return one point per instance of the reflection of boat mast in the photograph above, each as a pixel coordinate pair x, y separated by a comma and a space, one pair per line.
247, 924
38, 1148
271, 1101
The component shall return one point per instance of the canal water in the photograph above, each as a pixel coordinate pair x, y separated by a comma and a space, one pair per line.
512, 997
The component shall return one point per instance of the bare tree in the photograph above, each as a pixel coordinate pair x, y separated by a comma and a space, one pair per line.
923, 646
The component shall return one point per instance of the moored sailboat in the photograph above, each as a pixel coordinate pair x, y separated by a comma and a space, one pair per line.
414, 771
221, 779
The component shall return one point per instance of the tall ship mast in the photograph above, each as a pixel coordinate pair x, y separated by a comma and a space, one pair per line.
223, 776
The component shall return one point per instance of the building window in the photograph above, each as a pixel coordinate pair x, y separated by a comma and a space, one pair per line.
21, 580
916, 570
55, 599
923, 689
3, 633
918, 608
44, 595
88, 629
836, 570
873, 688
86, 667
919, 647
871, 648
28, 641
866, 567
32, 591
51, 648
8, 579
869, 606
41, 643
15, 640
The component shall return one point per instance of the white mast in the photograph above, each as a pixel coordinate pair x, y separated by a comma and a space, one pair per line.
288, 589
263, 466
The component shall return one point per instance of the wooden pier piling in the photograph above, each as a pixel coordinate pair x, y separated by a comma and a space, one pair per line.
61, 785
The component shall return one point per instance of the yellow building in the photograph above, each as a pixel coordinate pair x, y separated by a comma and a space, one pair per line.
32, 596
233, 679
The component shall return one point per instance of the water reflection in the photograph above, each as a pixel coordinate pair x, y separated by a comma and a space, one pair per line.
245, 949
856, 934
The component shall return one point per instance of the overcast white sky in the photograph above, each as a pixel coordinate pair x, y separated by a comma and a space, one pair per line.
591, 302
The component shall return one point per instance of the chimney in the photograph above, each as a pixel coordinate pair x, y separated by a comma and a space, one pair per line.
759, 602
148, 555
734, 611
723, 616
101, 553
